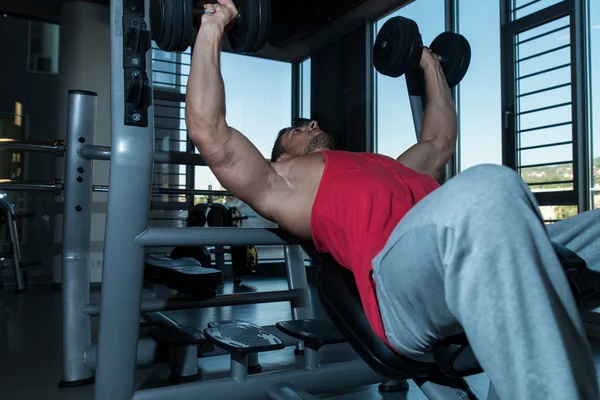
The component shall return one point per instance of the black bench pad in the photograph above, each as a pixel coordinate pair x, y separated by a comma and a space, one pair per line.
314, 333
185, 275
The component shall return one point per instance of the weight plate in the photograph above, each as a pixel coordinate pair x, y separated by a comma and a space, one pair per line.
197, 215
217, 215
395, 46
264, 26
242, 36
456, 56
178, 21
187, 38
162, 22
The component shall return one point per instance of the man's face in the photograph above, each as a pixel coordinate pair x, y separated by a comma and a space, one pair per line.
305, 139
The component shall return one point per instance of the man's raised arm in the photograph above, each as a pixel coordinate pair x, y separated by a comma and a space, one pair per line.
437, 142
235, 161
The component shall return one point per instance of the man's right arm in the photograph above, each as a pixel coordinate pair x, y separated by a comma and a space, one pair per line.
235, 161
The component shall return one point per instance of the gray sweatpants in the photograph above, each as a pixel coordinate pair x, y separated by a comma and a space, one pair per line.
475, 256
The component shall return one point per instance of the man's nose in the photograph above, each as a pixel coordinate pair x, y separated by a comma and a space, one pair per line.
314, 125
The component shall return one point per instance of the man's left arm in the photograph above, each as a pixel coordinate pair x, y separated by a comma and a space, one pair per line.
437, 142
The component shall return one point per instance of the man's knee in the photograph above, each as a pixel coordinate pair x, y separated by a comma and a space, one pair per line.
491, 179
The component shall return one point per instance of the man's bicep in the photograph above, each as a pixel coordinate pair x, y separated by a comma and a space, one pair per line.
240, 167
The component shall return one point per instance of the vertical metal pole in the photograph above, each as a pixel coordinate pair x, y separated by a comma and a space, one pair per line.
507, 73
16, 249
297, 95
296, 277
371, 104
581, 137
132, 161
77, 214
416, 107
453, 166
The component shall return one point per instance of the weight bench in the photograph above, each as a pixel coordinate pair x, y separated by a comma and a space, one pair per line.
454, 359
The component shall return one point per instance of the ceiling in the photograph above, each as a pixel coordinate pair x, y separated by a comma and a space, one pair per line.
298, 26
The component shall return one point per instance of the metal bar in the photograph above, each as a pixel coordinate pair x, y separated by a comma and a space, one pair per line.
508, 72
148, 351
296, 277
559, 197
159, 237
545, 89
540, 17
168, 95
416, 107
544, 71
543, 53
173, 191
568, 103
132, 161
31, 186
451, 24
296, 90
370, 110
296, 296
541, 35
14, 241
548, 183
161, 157
580, 110
538, 128
545, 164
525, 5
542, 146
77, 220
328, 378
57, 148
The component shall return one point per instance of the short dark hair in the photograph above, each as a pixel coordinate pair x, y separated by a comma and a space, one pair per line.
278, 149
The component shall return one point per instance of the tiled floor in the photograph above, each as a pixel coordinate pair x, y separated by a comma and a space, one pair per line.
30, 346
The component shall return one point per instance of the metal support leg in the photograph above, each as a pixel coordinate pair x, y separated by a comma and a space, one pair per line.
77, 221
311, 359
132, 158
16, 250
296, 277
239, 367
416, 107
184, 363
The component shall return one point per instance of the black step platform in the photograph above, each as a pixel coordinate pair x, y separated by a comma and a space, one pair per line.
185, 275
177, 335
242, 338
314, 333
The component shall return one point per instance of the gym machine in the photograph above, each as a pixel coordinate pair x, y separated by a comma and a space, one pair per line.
7, 211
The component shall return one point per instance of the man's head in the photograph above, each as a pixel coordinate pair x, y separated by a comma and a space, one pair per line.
303, 138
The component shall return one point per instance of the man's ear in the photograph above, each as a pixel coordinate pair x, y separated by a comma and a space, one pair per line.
283, 157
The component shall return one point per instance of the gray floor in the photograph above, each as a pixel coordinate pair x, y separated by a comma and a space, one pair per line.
30, 328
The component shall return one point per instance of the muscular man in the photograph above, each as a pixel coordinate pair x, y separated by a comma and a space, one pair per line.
429, 261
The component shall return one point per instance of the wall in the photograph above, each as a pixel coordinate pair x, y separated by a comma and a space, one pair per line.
84, 64
340, 90
37, 94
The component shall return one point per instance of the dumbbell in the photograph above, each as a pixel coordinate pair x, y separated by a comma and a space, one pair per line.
174, 23
399, 46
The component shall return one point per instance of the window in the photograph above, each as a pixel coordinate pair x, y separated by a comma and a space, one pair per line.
395, 130
170, 71
259, 103
521, 8
305, 103
480, 107
594, 91
44, 41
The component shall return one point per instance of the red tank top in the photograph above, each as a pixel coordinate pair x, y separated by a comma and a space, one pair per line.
360, 200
